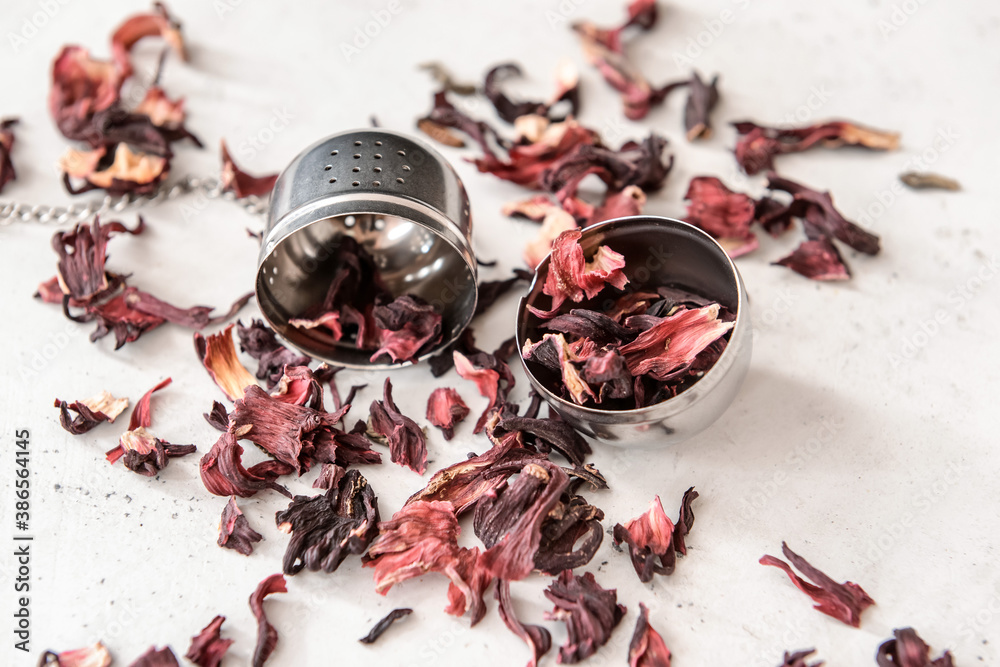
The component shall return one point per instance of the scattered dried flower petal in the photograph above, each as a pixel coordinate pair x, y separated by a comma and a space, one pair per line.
218, 355
207, 647
155, 657
7, 172
379, 628
260, 342
407, 327
407, 442
325, 529
571, 276
235, 531
89, 656
589, 611
724, 214
239, 182
758, 145
223, 473
845, 602
798, 659
907, 649
816, 259
267, 635
536, 637
445, 409
647, 648
92, 411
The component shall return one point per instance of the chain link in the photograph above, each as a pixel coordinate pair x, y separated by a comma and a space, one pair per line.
210, 188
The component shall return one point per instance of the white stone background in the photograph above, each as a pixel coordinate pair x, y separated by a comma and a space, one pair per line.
860, 437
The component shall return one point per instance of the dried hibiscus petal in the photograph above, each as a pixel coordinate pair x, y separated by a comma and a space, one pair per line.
235, 531
407, 442
195, 317
492, 376
653, 540
260, 342
724, 214
127, 172
510, 111
89, 656
822, 219
239, 182
555, 222
445, 408
647, 648
81, 87
636, 163
218, 355
82, 253
154, 657
571, 276
158, 23
7, 172
571, 520
207, 647
668, 348
702, 98
223, 473
267, 635
489, 291
589, 611
445, 115
907, 649
845, 602
144, 453
549, 434
536, 637
528, 163
407, 326
90, 412
423, 537
325, 529
379, 628
758, 145
798, 659
817, 259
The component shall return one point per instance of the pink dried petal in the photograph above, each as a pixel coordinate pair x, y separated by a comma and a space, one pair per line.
570, 276
536, 637
724, 214
618, 204
817, 259
555, 222
217, 353
669, 347
127, 323
407, 327
89, 656
329, 321
160, 109
487, 381
81, 87
647, 648
267, 635
235, 531
207, 647
158, 23
299, 386
526, 164
445, 409
845, 602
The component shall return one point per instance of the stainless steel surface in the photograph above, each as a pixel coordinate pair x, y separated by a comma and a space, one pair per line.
658, 251
394, 195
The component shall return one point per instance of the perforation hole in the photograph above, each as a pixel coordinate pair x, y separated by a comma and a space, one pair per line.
356, 183
357, 156
333, 180
349, 221
378, 143
401, 153
379, 224
399, 180
328, 167
356, 169
377, 170
406, 167
357, 143
378, 156
334, 152
376, 183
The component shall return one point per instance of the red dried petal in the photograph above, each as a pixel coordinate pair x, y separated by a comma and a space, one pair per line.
570, 276
407, 327
259, 341
207, 647
267, 635
818, 259
241, 183
845, 601
235, 531
526, 164
118, 316
158, 23
92, 411
81, 87
724, 214
487, 381
82, 253
217, 353
670, 347
445, 409
907, 649
647, 648
536, 637
130, 172
223, 473
422, 537
758, 145
195, 317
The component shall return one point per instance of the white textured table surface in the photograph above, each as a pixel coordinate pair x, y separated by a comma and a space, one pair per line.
863, 434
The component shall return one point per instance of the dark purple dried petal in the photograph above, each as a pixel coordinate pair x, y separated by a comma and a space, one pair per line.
444, 115
609, 373
154, 657
7, 172
408, 327
90, 412
217, 417
491, 290
223, 473
758, 145
510, 111
239, 182
235, 531
407, 442
325, 529
260, 342
639, 164
207, 647
591, 324
798, 659
550, 434
379, 628
267, 635
702, 98
845, 602
589, 611
569, 522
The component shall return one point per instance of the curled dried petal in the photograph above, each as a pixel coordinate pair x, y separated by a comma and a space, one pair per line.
207, 647
816, 259
217, 353
647, 648
379, 628
267, 635
407, 442
241, 183
590, 612
445, 409
235, 531
96, 655
907, 649
724, 214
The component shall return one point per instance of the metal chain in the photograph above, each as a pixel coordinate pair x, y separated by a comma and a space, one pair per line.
210, 188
